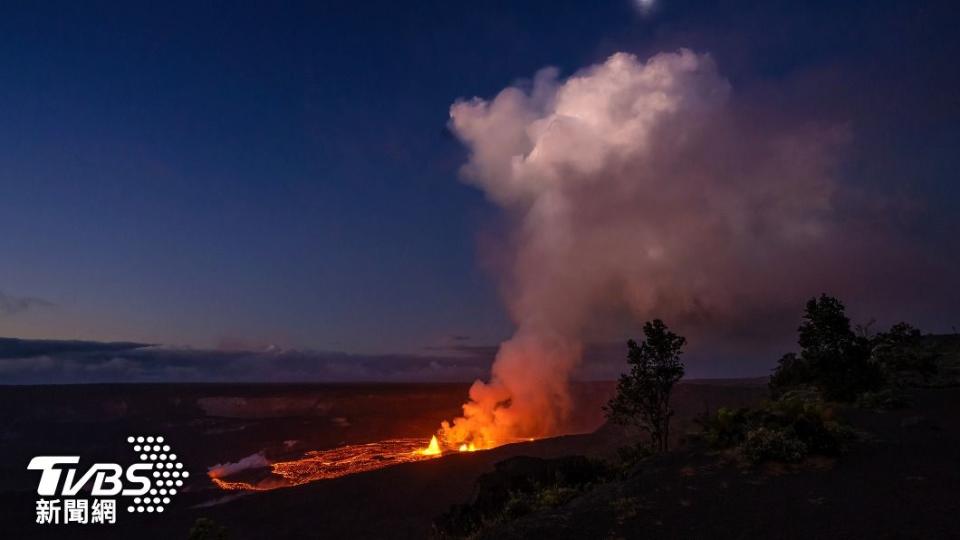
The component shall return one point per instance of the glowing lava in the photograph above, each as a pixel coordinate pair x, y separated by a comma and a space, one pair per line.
336, 462
433, 449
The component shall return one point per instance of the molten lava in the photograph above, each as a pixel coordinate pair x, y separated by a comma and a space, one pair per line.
433, 449
336, 462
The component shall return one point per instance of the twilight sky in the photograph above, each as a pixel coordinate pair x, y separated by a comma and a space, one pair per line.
226, 176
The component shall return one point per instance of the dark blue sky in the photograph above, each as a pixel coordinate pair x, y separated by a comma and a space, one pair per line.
252, 173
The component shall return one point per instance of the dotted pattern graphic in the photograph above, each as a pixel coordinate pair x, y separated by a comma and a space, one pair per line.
168, 473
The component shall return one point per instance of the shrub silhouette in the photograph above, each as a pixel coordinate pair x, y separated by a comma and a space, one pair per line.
901, 358
207, 529
519, 486
785, 430
763, 444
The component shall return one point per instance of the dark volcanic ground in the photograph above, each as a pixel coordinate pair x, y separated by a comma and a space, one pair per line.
901, 482
209, 424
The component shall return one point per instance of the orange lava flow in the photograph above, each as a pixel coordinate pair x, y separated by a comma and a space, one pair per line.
337, 462
236, 486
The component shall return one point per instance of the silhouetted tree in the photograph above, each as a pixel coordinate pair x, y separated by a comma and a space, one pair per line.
832, 357
643, 395
902, 333
825, 331
791, 371
899, 357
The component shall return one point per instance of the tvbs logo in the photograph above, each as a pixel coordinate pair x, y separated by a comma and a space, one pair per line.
148, 484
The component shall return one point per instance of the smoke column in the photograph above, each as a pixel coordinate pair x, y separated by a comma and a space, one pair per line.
633, 190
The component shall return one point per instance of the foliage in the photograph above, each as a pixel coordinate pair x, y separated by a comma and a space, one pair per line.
727, 427
839, 360
764, 443
787, 430
900, 358
791, 371
207, 529
552, 496
517, 487
832, 356
524, 502
849, 365
886, 399
465, 521
901, 333
633, 454
643, 395
625, 508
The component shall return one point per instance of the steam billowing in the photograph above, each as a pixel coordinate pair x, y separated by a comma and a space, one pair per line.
633, 188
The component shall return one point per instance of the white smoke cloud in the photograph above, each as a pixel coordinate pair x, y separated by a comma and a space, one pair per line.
635, 188
253, 461
645, 6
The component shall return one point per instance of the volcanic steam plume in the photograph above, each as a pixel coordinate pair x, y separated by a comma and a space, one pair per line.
633, 189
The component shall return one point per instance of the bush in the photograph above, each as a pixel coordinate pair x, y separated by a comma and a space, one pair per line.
777, 444
553, 496
791, 371
207, 529
899, 356
633, 454
814, 422
788, 429
886, 399
726, 428
517, 487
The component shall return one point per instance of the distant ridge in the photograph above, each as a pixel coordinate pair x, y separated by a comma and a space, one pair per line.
31, 348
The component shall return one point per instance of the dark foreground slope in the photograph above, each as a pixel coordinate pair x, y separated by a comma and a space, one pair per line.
900, 482
394, 502
403, 501
898, 479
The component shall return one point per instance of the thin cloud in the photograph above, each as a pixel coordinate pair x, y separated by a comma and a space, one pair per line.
33, 348
64, 362
12, 305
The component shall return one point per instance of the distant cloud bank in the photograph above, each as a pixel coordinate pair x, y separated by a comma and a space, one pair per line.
29, 361
63, 362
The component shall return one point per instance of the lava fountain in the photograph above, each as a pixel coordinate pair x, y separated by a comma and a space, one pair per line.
432, 449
